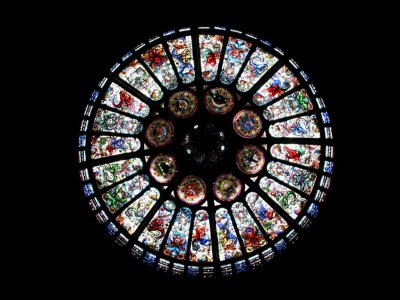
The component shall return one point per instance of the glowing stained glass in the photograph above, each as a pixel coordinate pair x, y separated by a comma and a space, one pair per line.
118, 98
235, 54
259, 63
134, 214
228, 243
154, 233
201, 249
117, 196
177, 242
111, 173
103, 146
156, 59
289, 200
182, 53
305, 155
210, 53
298, 178
248, 229
270, 220
137, 76
292, 105
108, 121
280, 83
301, 127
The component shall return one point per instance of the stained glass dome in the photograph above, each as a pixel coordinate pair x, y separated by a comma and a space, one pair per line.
205, 152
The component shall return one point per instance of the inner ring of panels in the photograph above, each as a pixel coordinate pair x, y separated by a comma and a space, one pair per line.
137, 136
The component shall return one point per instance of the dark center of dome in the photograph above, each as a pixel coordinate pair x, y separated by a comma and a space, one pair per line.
205, 145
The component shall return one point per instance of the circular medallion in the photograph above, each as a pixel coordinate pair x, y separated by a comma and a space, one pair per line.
250, 159
191, 190
163, 168
219, 101
182, 104
247, 124
159, 132
227, 187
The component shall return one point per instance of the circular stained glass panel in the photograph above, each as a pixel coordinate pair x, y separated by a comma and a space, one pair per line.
244, 125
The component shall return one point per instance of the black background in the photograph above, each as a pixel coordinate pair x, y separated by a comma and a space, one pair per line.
71, 250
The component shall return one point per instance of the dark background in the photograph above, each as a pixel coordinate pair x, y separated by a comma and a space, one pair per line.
71, 249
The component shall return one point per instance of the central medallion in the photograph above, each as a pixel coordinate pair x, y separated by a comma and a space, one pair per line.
205, 144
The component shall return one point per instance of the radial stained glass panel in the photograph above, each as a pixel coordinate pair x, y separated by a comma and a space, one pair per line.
281, 82
155, 231
156, 59
259, 63
201, 249
228, 243
118, 98
108, 121
177, 242
299, 178
134, 214
210, 53
182, 53
235, 54
138, 77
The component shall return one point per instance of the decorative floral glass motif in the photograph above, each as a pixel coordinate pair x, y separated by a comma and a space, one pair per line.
163, 168
245, 127
182, 104
219, 101
159, 132
250, 159
247, 124
191, 190
227, 187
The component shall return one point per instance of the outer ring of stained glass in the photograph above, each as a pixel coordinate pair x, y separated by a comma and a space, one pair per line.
241, 160
114, 158
225, 97
182, 104
191, 190
247, 124
160, 132
227, 187
156, 168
